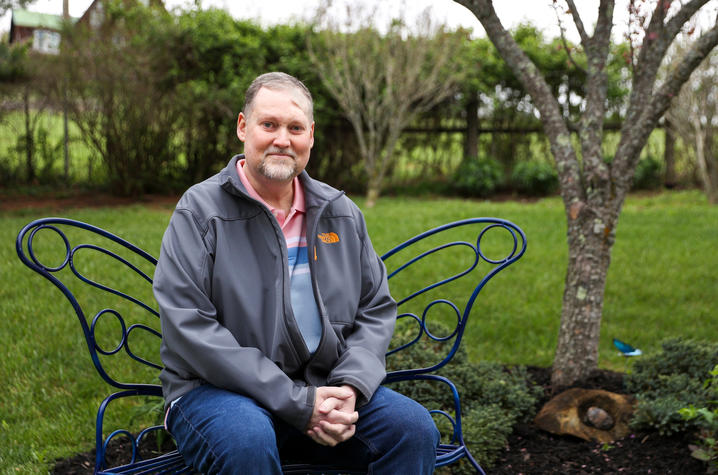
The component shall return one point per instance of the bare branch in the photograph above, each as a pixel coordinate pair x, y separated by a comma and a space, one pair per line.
578, 22
596, 172
564, 41
672, 86
658, 38
643, 118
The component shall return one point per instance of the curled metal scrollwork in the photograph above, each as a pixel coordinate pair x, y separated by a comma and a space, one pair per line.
125, 339
133, 442
510, 254
27, 249
34, 258
468, 266
454, 431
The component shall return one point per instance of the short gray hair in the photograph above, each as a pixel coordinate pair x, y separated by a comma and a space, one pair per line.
277, 80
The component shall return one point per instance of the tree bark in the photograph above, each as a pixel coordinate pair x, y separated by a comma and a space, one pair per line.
707, 176
29, 137
669, 178
372, 194
589, 256
471, 136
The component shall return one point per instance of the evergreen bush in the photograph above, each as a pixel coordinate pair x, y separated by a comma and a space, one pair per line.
669, 381
648, 174
534, 178
478, 176
493, 397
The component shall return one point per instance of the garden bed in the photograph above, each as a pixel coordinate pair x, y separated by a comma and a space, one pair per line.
532, 451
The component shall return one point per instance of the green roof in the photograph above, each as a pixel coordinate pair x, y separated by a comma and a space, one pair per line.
38, 20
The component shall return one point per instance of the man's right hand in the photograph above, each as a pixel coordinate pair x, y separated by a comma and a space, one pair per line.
334, 416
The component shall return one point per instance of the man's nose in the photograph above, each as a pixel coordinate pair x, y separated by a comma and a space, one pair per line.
282, 138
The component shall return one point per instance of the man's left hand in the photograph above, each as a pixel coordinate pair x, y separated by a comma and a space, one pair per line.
334, 415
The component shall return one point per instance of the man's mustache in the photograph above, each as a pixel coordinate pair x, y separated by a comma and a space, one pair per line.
283, 151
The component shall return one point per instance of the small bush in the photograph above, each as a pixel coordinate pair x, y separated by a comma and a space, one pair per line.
706, 418
478, 177
670, 381
493, 398
648, 174
534, 178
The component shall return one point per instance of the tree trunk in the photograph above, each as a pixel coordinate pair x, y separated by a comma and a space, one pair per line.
589, 256
669, 179
29, 138
706, 173
471, 137
372, 194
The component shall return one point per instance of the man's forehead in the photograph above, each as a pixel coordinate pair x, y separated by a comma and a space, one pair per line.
295, 96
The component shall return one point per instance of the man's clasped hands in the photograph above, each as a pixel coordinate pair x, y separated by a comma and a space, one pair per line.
334, 416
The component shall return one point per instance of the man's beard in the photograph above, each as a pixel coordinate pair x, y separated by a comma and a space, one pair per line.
280, 170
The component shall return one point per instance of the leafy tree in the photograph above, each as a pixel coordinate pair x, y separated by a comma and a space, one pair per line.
121, 85
593, 190
27, 79
492, 94
216, 59
6, 5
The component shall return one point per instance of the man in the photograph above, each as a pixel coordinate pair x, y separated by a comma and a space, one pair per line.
276, 314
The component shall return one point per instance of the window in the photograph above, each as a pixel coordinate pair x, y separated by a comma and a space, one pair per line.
46, 41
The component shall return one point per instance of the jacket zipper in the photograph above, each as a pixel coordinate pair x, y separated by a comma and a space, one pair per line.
296, 339
315, 284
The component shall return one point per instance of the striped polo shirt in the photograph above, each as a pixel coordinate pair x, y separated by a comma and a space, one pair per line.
294, 228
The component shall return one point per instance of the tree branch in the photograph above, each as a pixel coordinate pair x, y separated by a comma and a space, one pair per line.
579, 23
680, 75
658, 38
565, 42
643, 123
596, 171
534, 83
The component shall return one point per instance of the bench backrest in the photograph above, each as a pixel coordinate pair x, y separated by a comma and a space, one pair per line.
435, 276
455, 261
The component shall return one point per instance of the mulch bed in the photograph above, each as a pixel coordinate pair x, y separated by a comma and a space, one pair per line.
532, 451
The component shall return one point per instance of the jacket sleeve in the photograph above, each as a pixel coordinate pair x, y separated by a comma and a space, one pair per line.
362, 365
195, 346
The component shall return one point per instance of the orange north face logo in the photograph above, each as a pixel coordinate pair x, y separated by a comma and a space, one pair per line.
328, 238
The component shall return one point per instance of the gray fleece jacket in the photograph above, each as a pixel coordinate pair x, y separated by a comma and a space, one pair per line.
223, 288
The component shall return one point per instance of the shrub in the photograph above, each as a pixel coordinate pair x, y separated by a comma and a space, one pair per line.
707, 420
648, 174
669, 381
493, 398
478, 176
534, 178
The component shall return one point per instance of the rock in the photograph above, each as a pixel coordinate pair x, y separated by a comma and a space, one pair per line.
591, 414
598, 418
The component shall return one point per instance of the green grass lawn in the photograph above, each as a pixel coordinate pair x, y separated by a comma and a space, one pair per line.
662, 283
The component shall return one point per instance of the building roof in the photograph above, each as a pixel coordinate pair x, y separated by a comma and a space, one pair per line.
38, 20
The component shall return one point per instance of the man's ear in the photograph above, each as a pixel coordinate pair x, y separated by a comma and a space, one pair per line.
311, 135
241, 126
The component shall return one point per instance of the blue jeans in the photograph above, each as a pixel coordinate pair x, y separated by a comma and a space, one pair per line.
222, 432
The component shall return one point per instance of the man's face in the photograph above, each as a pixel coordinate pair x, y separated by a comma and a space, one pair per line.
277, 135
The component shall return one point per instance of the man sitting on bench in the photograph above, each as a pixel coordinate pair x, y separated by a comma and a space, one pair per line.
276, 313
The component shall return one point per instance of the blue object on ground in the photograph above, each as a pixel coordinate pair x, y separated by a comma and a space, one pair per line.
626, 349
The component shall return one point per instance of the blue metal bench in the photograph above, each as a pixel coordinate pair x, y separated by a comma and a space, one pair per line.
117, 306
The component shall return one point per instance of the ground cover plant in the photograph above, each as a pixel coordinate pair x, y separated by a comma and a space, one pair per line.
662, 284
